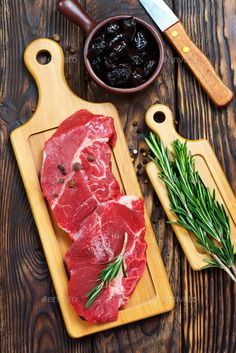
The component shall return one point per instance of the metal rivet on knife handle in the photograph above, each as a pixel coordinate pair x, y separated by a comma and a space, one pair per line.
186, 49
174, 34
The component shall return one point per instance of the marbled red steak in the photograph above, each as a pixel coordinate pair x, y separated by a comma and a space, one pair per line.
100, 239
76, 172
86, 201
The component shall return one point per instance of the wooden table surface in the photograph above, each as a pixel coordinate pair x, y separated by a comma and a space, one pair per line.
204, 318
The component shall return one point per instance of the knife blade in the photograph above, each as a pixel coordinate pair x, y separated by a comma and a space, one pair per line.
160, 12
198, 63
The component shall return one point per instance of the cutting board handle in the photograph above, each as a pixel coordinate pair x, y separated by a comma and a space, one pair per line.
44, 59
159, 119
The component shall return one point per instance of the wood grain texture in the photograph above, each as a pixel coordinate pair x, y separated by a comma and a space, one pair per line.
149, 334
204, 316
209, 310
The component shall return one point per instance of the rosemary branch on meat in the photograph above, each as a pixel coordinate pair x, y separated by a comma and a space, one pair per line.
108, 273
197, 210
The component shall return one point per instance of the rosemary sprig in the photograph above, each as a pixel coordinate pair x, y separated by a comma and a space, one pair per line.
108, 273
196, 209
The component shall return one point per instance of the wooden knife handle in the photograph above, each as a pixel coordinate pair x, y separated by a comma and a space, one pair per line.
199, 65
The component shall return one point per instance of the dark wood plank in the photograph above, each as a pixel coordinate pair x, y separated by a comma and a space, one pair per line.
28, 303
209, 310
27, 283
31, 320
145, 336
204, 316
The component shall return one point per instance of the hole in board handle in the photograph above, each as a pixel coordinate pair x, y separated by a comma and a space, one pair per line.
159, 117
43, 57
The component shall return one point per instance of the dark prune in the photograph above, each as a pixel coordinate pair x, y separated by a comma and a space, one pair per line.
149, 68
97, 65
118, 51
109, 65
140, 41
137, 78
134, 58
137, 60
129, 27
146, 56
119, 76
112, 28
123, 53
117, 39
97, 47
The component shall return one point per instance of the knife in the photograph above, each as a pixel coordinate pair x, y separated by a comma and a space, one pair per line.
198, 63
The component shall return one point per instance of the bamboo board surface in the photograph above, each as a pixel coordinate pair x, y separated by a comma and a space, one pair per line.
56, 102
160, 120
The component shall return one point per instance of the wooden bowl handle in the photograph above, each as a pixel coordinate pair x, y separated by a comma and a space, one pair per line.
72, 10
159, 119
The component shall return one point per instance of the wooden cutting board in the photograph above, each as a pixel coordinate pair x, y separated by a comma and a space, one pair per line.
57, 102
160, 120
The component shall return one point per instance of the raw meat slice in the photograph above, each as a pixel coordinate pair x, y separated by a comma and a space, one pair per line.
76, 173
100, 239
86, 201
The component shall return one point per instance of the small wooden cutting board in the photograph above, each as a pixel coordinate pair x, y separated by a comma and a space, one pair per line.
160, 120
57, 102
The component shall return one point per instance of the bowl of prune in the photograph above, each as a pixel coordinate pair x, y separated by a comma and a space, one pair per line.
123, 54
